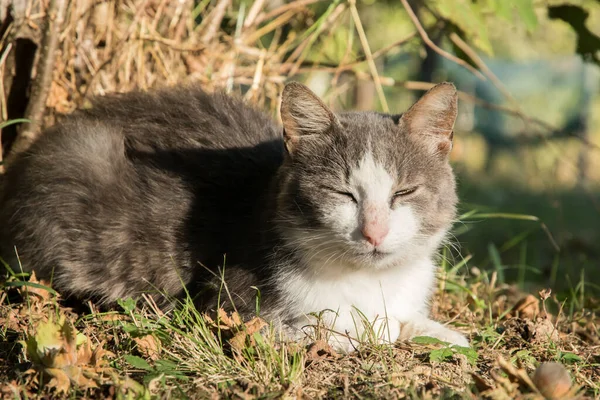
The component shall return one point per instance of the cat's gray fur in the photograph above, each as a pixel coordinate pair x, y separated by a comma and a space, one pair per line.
148, 192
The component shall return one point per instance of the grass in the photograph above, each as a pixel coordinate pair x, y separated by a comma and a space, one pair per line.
136, 351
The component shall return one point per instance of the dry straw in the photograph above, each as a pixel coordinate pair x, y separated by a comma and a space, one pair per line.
92, 47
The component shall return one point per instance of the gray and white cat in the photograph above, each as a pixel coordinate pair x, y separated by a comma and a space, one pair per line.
151, 192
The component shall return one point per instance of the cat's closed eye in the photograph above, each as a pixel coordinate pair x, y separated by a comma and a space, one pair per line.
347, 195
404, 192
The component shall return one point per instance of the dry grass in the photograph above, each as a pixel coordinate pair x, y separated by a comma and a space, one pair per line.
118, 46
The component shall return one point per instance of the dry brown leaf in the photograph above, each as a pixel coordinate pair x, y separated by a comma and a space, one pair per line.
100, 355
13, 321
58, 98
224, 321
60, 380
148, 346
528, 307
481, 384
61, 352
538, 331
319, 350
232, 321
245, 336
36, 293
544, 331
515, 374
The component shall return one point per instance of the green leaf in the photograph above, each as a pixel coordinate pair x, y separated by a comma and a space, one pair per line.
468, 352
468, 17
48, 337
165, 366
169, 368
524, 9
526, 13
128, 304
138, 362
570, 358
441, 355
132, 329
502, 8
427, 340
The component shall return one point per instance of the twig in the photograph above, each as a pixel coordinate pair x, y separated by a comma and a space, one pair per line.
331, 67
365, 45
215, 20
461, 44
116, 49
55, 16
433, 46
280, 10
282, 19
253, 13
257, 76
331, 17
3, 110
171, 44
415, 85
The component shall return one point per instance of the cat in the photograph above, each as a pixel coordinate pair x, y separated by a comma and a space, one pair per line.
180, 191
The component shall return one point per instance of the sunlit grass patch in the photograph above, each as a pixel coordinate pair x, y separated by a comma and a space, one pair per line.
138, 351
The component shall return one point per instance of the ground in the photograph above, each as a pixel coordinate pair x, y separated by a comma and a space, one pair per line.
137, 351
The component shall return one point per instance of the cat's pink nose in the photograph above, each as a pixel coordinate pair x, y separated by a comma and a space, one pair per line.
375, 233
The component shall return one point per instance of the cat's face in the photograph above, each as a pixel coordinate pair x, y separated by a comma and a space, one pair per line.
366, 190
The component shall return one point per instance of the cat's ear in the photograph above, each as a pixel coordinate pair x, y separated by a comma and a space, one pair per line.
303, 115
433, 117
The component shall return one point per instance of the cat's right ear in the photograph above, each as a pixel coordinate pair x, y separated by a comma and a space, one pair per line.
432, 117
303, 115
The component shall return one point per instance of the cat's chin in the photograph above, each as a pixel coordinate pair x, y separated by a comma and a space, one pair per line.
379, 260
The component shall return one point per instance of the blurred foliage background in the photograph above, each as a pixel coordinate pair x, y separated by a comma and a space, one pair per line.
527, 143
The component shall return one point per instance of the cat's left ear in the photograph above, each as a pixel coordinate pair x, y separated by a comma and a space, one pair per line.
303, 115
433, 117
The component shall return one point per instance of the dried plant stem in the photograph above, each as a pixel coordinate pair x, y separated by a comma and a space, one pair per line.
329, 67
329, 19
433, 46
371, 62
294, 5
55, 16
215, 21
461, 44
276, 23
118, 47
415, 85
253, 13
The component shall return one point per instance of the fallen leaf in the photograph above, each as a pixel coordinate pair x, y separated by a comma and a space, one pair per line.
58, 350
148, 346
319, 350
544, 331
37, 290
528, 307
245, 336
515, 374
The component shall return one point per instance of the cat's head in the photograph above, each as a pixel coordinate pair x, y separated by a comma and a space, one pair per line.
362, 189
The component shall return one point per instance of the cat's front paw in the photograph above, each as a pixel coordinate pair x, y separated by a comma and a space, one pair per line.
427, 327
450, 336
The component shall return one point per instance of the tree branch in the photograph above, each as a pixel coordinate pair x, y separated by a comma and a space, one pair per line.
55, 16
433, 46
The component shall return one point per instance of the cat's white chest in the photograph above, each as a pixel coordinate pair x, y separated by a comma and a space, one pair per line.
379, 296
